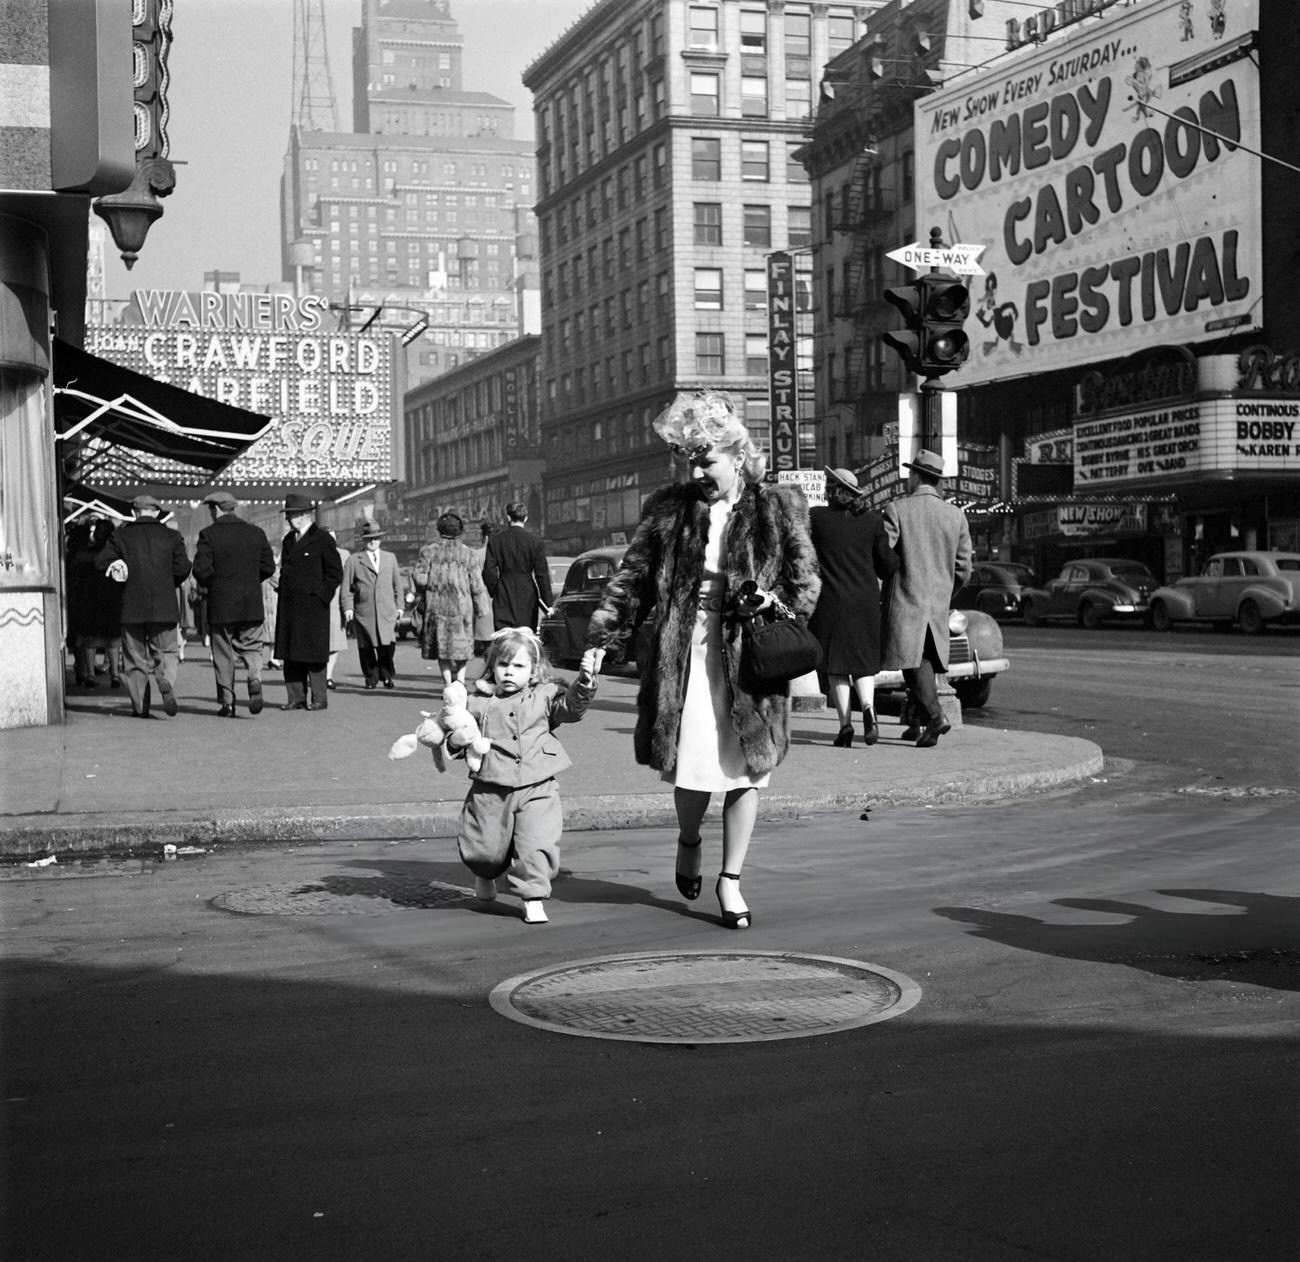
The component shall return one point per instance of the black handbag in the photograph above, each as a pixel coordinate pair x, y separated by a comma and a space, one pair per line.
778, 647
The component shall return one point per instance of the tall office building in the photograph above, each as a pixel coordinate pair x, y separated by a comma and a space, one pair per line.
666, 136
424, 211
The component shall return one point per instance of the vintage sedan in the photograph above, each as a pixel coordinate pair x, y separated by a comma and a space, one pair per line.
974, 650
995, 588
1092, 591
1251, 589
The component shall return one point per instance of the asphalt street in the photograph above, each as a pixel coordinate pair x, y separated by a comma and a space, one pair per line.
1102, 1062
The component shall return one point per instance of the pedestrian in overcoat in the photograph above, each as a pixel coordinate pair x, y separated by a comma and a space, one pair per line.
310, 572
150, 560
371, 596
853, 554
516, 574
933, 544
701, 721
448, 577
231, 561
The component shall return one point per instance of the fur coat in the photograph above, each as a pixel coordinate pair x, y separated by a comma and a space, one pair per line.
766, 540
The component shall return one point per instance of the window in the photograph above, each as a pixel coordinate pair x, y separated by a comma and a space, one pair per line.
708, 289
758, 226
704, 95
661, 292
795, 173
799, 227
710, 357
753, 161
755, 354
706, 159
753, 96
798, 35
839, 34
755, 289
708, 223
704, 27
661, 229
909, 174
798, 98
753, 32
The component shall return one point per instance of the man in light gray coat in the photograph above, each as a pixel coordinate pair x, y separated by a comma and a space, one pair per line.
933, 545
370, 596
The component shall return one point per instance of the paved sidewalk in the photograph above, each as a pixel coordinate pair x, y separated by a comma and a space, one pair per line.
107, 781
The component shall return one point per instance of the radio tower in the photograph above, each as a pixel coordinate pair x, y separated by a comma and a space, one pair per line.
314, 108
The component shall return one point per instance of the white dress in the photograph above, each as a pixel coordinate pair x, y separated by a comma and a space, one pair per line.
709, 756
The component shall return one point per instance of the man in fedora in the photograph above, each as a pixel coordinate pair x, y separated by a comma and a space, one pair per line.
232, 559
516, 574
310, 571
932, 541
150, 560
370, 599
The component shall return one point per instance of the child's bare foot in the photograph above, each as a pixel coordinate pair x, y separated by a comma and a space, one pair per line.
534, 911
484, 890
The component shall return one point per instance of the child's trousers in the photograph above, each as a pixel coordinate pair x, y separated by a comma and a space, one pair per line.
517, 829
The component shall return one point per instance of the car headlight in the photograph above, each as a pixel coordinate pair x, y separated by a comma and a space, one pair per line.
956, 622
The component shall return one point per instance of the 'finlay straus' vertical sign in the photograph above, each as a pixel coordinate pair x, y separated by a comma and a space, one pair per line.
782, 379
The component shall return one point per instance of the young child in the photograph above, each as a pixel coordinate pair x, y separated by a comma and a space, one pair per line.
511, 822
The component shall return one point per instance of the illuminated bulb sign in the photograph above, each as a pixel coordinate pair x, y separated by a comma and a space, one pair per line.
329, 393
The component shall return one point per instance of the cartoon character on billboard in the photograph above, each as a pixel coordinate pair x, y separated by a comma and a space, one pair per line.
1218, 18
1143, 85
1185, 20
1001, 318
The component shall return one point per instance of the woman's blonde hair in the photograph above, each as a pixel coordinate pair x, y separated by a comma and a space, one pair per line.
707, 419
507, 642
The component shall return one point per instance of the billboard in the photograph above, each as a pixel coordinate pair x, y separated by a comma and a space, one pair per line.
329, 393
1108, 175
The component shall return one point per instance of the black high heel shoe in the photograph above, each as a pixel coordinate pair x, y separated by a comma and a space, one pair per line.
845, 737
870, 729
688, 886
731, 919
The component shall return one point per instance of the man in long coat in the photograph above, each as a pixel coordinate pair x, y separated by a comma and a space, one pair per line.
933, 545
515, 572
310, 571
150, 560
231, 560
370, 598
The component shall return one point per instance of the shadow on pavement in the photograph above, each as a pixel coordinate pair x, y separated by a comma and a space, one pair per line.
1260, 947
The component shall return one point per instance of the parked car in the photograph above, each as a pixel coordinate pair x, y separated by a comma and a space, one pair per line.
1091, 591
1251, 589
409, 619
559, 567
974, 654
995, 588
565, 627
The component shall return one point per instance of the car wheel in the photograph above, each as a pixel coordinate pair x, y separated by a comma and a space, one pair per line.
1030, 614
973, 693
1160, 618
1250, 619
1089, 616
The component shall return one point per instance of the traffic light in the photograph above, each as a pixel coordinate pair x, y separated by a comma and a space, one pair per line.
935, 309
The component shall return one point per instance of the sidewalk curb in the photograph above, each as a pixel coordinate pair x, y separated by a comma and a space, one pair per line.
31, 836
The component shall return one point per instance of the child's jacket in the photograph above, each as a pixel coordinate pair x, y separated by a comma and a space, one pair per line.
521, 727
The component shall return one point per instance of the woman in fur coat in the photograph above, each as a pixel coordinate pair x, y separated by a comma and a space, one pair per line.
702, 723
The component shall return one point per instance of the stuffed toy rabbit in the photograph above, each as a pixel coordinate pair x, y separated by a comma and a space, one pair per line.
453, 729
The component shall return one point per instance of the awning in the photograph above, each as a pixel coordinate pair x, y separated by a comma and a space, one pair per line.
79, 499
132, 429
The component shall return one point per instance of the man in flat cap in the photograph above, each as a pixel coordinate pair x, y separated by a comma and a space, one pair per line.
231, 560
310, 572
933, 545
150, 560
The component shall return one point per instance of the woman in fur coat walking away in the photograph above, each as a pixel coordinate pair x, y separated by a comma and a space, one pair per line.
702, 723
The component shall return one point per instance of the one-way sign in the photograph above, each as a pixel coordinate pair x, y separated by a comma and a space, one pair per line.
959, 258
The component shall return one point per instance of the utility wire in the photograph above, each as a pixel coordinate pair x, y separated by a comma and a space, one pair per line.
1209, 131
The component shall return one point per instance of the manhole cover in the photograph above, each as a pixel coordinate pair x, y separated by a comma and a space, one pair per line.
342, 896
706, 996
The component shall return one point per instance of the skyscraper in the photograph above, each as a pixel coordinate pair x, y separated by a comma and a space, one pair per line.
423, 211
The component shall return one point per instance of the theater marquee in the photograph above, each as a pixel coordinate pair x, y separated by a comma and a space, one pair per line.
329, 393
1103, 175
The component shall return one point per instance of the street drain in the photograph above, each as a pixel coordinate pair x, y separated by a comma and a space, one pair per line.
342, 896
705, 996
